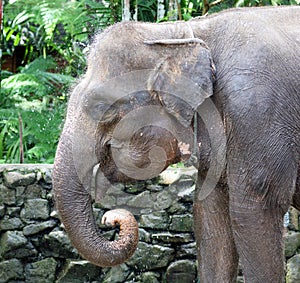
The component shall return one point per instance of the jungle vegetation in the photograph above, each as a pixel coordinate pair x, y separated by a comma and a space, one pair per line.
48, 40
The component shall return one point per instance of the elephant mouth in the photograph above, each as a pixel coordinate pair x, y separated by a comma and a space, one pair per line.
149, 152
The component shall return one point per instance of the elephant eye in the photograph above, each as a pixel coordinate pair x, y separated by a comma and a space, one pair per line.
101, 107
101, 111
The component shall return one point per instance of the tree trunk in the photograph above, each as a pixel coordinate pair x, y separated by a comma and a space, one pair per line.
126, 16
173, 10
160, 10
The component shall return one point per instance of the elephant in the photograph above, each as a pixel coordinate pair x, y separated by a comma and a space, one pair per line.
220, 92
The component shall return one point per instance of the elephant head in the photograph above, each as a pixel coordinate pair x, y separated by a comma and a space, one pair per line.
132, 115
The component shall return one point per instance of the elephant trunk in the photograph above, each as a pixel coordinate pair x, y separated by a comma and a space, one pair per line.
74, 205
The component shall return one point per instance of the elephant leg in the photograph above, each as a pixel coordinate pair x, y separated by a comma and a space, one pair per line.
217, 256
258, 235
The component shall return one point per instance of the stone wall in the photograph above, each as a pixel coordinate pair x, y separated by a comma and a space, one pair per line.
34, 247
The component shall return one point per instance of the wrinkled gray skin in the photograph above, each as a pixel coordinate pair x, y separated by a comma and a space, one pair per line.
249, 64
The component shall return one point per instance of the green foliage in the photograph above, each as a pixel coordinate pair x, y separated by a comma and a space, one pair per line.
41, 132
34, 81
194, 8
36, 95
147, 10
191, 9
59, 27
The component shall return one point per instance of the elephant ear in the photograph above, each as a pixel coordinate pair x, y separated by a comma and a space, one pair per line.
183, 77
